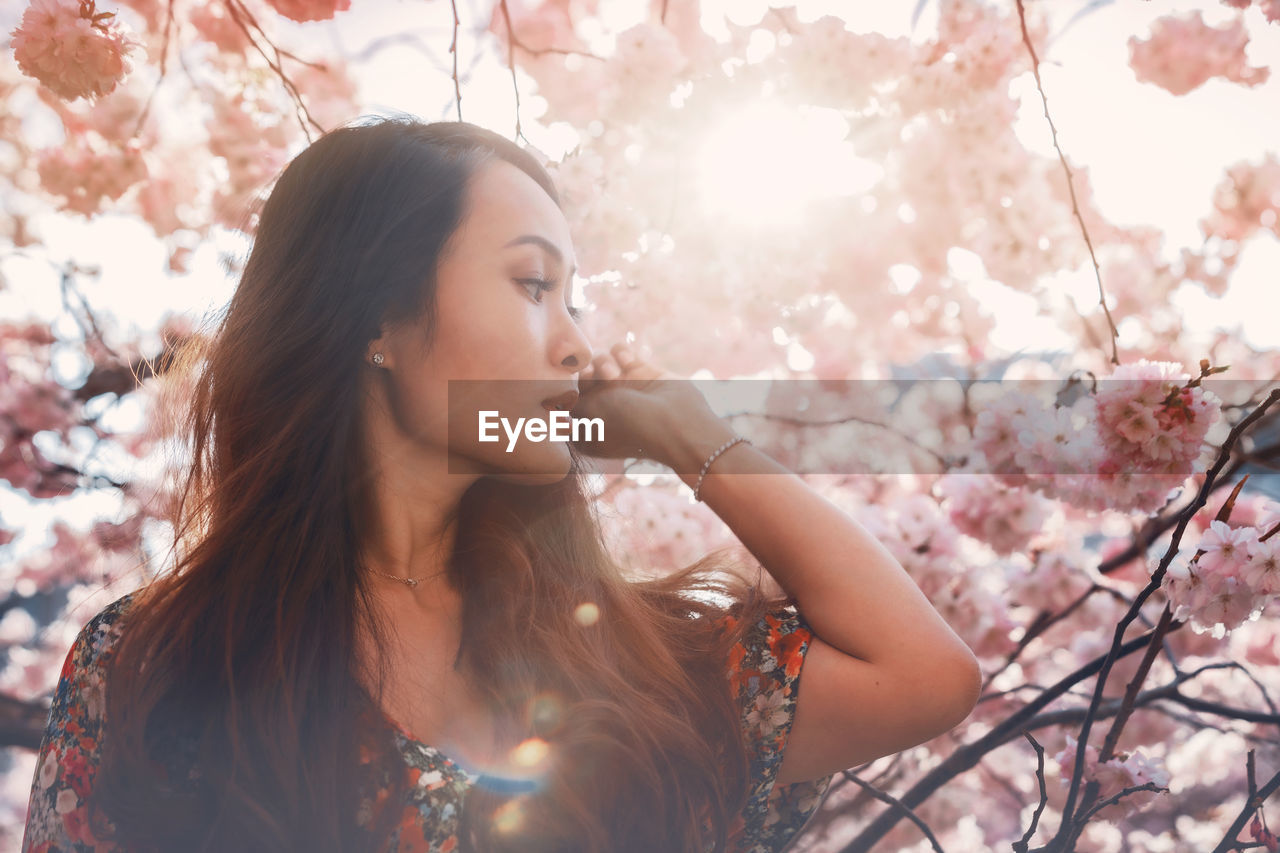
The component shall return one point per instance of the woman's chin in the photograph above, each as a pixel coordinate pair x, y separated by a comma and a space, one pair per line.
537, 465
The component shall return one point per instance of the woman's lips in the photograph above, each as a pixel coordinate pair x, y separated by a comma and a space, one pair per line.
561, 402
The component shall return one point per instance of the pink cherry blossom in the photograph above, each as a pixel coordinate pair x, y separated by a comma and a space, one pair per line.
647, 60
1226, 549
216, 25
1229, 605
1262, 570
88, 170
1051, 584
310, 10
1184, 587
1229, 583
172, 198
1270, 8
984, 508
71, 48
330, 92
1125, 770
819, 54
659, 529
1183, 53
1246, 200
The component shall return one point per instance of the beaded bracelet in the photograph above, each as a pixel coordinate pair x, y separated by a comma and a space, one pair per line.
707, 465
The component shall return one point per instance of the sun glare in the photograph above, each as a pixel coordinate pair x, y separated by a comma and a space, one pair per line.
765, 163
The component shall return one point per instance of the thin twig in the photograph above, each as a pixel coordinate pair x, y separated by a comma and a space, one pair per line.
897, 804
1115, 798
1021, 845
511, 63
851, 419
453, 48
86, 319
1075, 204
243, 18
164, 60
1257, 796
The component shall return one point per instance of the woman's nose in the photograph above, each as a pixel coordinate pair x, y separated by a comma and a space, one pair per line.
574, 348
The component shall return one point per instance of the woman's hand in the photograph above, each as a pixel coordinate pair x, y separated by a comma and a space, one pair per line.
640, 403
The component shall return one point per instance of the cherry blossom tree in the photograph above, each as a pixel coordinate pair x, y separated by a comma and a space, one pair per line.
1098, 523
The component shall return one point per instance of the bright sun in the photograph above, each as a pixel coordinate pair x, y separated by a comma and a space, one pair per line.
766, 162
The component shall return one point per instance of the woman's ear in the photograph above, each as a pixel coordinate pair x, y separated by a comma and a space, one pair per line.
377, 353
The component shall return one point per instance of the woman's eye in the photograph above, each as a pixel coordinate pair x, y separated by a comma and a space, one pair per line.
542, 284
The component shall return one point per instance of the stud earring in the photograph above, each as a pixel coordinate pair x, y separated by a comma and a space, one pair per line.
377, 359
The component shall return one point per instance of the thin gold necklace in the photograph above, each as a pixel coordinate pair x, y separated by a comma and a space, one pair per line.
410, 582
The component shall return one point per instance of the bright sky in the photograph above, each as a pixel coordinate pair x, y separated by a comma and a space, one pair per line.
1153, 158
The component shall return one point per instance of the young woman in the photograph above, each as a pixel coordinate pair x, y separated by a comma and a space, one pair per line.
382, 633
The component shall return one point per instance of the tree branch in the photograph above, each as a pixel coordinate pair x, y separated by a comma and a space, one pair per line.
1075, 204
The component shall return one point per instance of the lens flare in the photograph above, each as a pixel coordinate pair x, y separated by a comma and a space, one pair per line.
586, 614
531, 752
545, 712
509, 817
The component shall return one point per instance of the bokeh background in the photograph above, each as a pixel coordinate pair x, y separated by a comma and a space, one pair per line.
819, 191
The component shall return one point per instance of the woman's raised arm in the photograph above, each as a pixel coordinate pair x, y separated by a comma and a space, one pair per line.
884, 671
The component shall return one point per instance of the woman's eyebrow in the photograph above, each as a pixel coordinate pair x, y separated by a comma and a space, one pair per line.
547, 246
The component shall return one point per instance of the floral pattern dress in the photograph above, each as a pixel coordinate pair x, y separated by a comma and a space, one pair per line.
764, 675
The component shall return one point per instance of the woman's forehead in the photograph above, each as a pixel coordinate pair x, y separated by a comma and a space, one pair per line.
506, 204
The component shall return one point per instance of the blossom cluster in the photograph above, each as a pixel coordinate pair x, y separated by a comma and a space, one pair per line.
310, 10
87, 171
1233, 576
1245, 201
1270, 8
1125, 770
1125, 447
987, 509
72, 48
1151, 419
31, 404
1183, 54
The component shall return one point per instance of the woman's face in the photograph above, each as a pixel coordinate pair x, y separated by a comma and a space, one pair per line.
492, 323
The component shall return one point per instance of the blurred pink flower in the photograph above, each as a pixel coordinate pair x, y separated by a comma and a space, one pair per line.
72, 49
1183, 53
310, 10
88, 170
1246, 200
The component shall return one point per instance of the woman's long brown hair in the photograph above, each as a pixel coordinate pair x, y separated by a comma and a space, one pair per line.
240, 663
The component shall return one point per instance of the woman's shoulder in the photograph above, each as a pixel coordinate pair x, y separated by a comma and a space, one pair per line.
96, 641
775, 639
